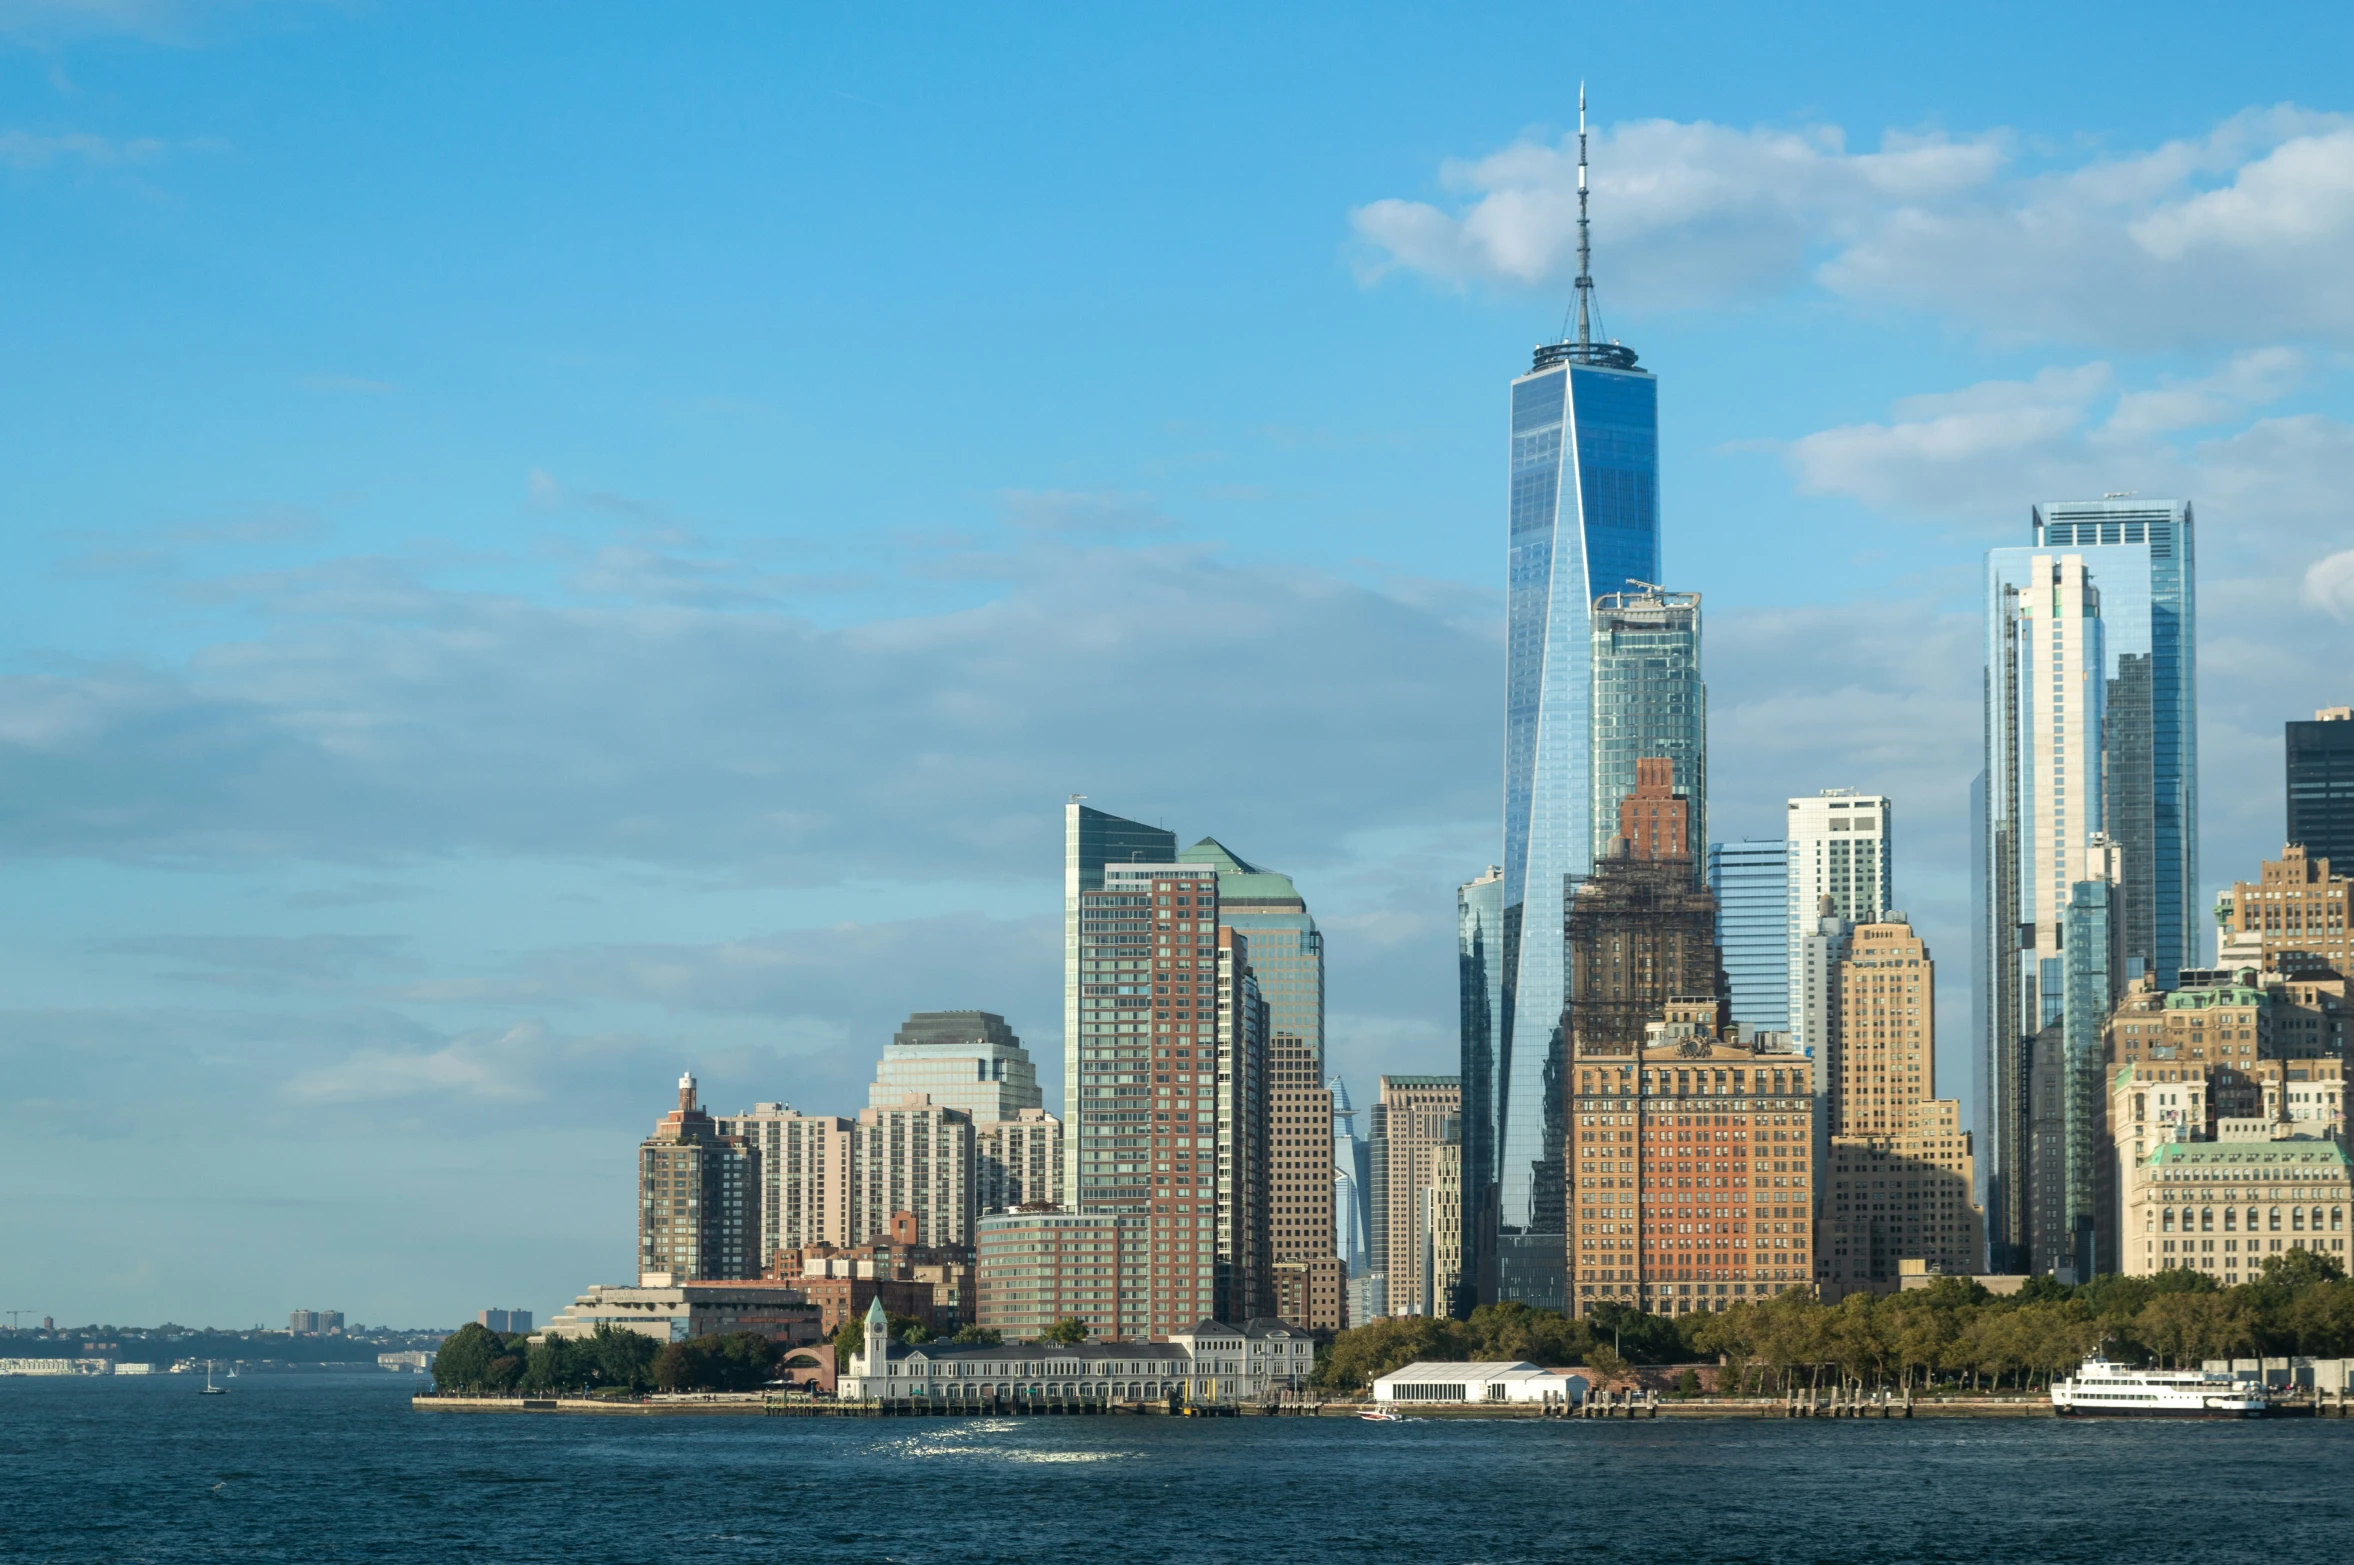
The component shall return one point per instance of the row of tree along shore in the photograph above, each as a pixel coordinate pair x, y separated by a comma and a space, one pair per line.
1952, 1333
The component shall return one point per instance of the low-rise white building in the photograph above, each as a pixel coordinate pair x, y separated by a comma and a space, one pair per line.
1209, 1365
1489, 1382
675, 1312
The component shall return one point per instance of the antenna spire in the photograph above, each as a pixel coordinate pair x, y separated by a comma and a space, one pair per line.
1585, 251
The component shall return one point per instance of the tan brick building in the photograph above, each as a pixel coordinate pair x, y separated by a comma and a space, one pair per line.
1309, 1288
1691, 1168
1411, 1118
1900, 1168
2299, 915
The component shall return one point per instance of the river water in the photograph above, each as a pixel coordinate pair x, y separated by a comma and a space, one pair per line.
322, 1468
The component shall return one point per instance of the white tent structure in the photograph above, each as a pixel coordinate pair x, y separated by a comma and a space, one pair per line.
1493, 1382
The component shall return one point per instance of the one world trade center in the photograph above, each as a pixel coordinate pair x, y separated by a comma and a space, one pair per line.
1584, 523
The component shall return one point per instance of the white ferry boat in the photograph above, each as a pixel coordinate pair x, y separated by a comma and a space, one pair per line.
2100, 1389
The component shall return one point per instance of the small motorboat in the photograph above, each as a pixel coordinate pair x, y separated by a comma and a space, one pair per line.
1380, 1415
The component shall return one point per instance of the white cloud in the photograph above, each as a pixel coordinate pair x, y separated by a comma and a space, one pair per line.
26, 150
2329, 584
2234, 236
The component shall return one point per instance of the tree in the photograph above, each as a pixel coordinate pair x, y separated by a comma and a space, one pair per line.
463, 1361
978, 1336
732, 1361
2301, 1269
1068, 1329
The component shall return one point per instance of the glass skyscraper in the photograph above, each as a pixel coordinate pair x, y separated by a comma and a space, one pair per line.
1751, 880
1091, 839
1649, 700
1479, 969
2091, 717
1584, 523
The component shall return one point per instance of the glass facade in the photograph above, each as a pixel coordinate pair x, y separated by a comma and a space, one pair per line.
2091, 727
2321, 788
1649, 700
1583, 522
1751, 881
968, 1060
1479, 969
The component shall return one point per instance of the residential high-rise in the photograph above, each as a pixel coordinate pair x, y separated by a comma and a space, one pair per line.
2091, 727
1352, 1184
1583, 524
1092, 839
1018, 1161
965, 1060
1649, 704
2321, 784
698, 1198
1413, 1118
1035, 1270
1842, 845
804, 1182
1898, 1181
1479, 980
1439, 1224
912, 1156
1751, 882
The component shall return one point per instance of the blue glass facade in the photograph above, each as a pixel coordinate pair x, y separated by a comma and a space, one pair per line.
1751, 881
2134, 777
1584, 521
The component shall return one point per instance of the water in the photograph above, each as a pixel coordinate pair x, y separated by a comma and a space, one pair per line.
340, 1468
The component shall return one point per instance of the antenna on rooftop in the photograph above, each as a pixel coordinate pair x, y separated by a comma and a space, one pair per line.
1585, 284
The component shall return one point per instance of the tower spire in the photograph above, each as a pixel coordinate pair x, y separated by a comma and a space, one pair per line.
1585, 252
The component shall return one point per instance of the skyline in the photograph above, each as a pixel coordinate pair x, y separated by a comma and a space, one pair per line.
464, 670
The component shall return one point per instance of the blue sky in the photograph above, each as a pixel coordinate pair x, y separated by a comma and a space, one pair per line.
549, 545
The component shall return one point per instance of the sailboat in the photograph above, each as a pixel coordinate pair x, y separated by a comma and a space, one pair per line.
210, 1389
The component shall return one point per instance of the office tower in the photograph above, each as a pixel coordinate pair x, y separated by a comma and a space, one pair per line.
965, 1060
1479, 984
1308, 1281
1092, 839
1413, 1117
2091, 726
1898, 1181
1692, 1157
698, 1200
1583, 524
1352, 1184
2321, 784
1286, 950
912, 1156
1750, 880
1649, 703
1018, 1161
2297, 914
803, 1187
1842, 845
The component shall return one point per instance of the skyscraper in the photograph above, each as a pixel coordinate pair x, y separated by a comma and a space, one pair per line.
1286, 949
2321, 785
1092, 839
1584, 523
967, 1060
1352, 1184
1897, 1180
698, 1198
2091, 727
1415, 1114
1479, 978
1751, 882
1649, 703
804, 1178
1842, 845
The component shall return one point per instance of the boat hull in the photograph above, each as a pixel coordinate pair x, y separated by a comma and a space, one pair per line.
2163, 1412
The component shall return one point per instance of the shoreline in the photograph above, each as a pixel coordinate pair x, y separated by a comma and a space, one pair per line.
755, 1404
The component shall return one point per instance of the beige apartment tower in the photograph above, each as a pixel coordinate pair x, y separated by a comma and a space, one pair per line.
1898, 1180
1411, 1119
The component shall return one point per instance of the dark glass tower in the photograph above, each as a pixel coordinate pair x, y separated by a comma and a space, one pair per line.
2321, 787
